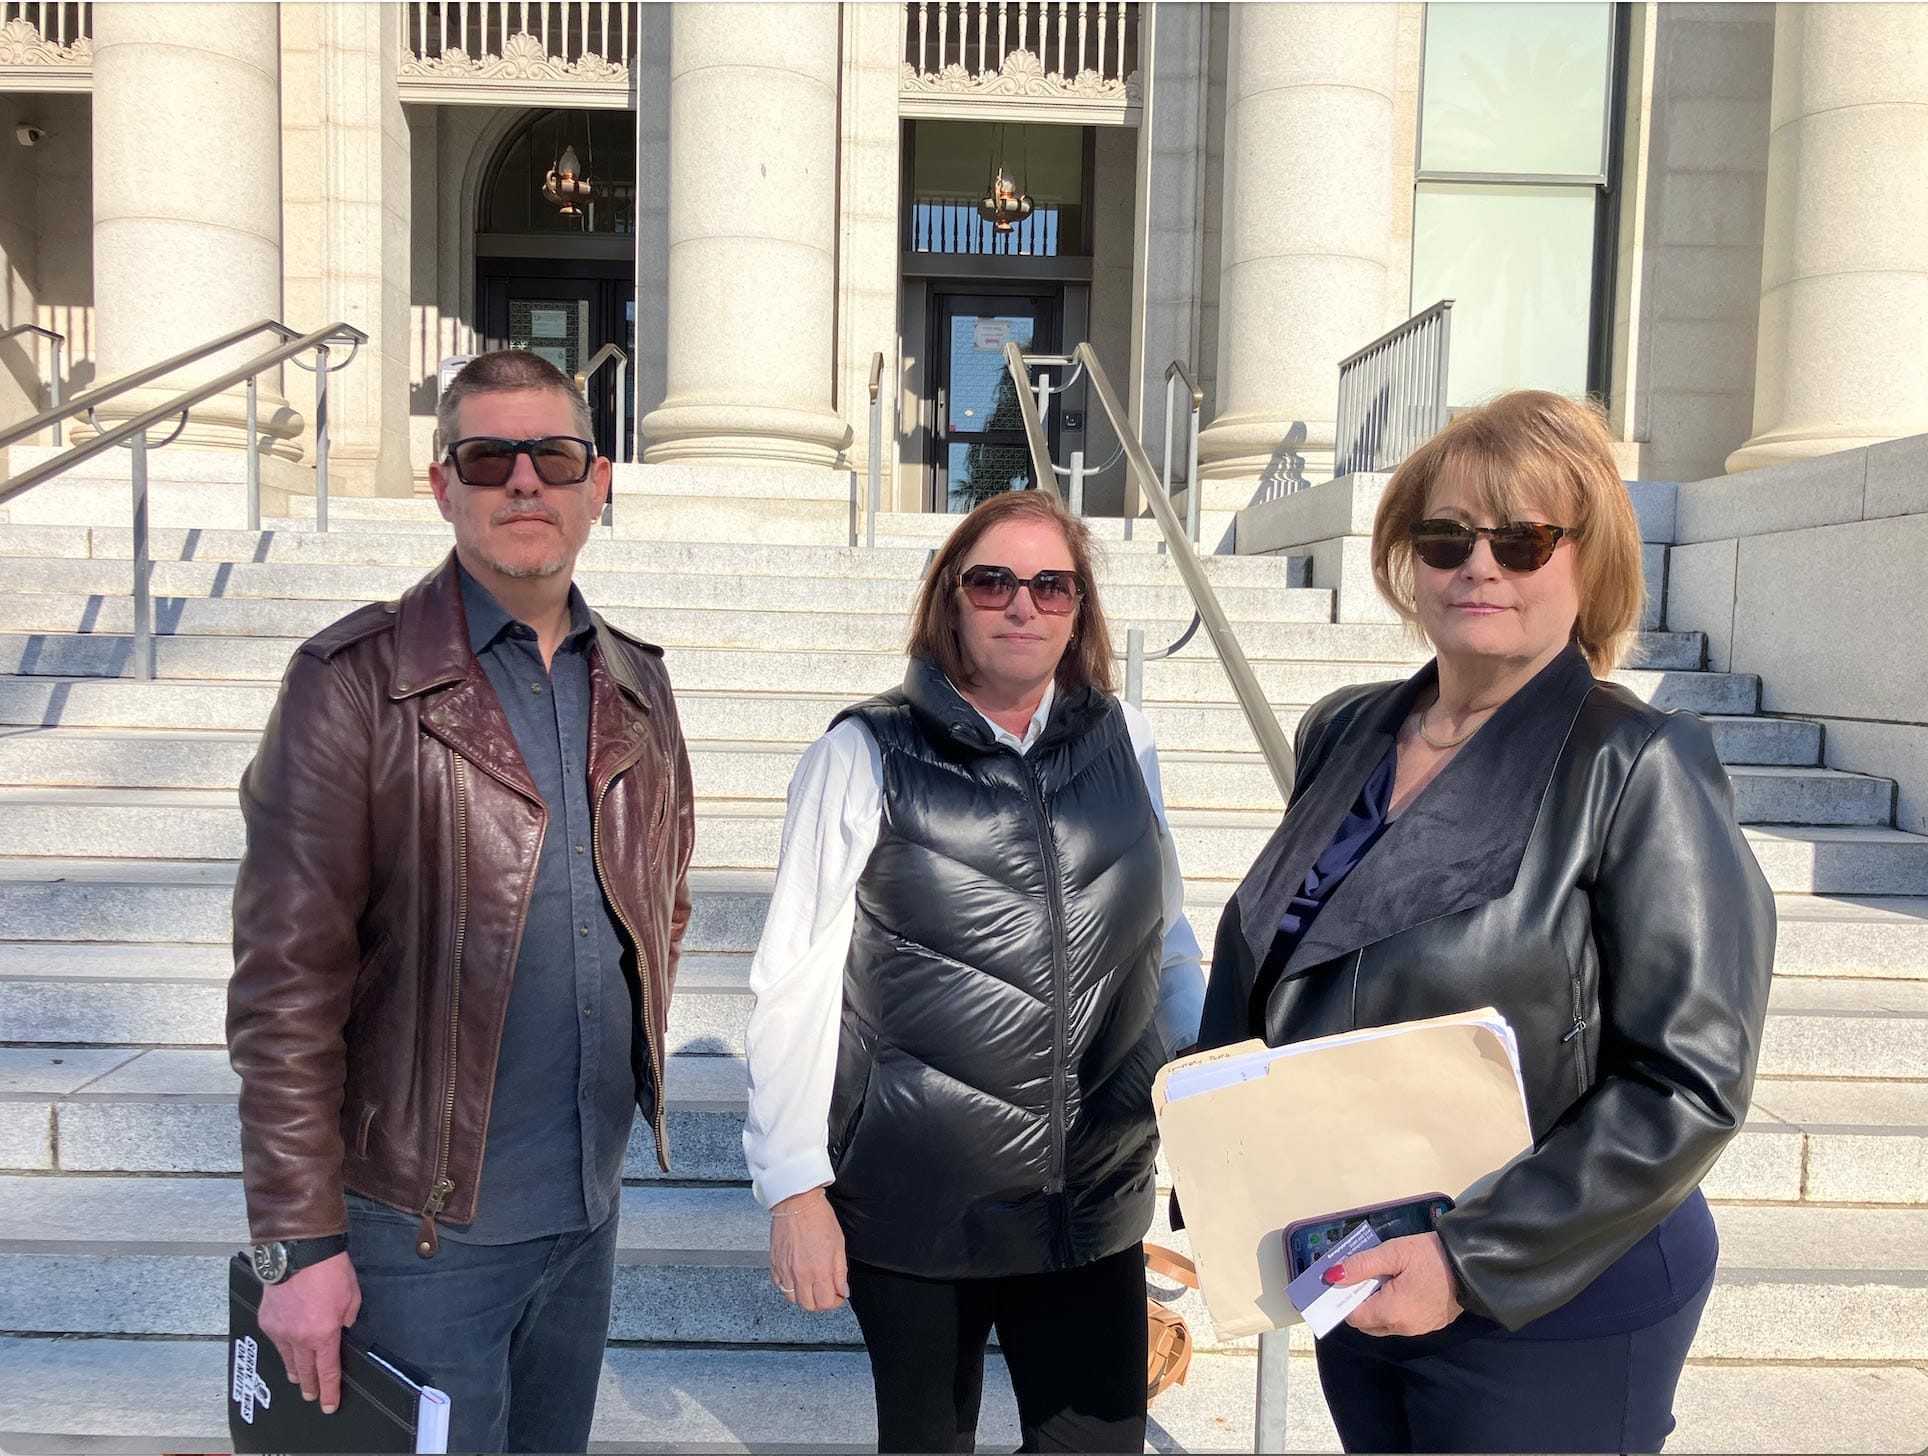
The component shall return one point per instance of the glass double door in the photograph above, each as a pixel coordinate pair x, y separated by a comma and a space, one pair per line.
980, 445
566, 313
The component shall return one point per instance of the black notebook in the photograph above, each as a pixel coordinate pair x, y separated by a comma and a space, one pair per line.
385, 1405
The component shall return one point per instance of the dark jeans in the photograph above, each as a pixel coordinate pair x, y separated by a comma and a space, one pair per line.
512, 1333
1074, 1342
1495, 1392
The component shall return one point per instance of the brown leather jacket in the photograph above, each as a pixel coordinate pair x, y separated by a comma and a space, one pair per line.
392, 838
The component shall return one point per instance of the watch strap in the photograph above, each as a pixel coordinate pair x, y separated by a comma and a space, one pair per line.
305, 1253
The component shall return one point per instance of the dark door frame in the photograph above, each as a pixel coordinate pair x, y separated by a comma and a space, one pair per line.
1050, 329
610, 285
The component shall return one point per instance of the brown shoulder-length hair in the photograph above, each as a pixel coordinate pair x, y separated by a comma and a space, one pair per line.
1523, 453
933, 631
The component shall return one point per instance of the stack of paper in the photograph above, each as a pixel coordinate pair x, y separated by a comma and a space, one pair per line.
1260, 1137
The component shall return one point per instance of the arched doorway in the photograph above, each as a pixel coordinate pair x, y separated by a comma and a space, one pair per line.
563, 283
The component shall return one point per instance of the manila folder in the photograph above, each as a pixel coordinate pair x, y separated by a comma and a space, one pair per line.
1340, 1123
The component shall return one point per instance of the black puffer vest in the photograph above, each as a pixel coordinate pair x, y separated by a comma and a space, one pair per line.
992, 1112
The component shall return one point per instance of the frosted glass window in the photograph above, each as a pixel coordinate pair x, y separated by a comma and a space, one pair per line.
1518, 264
1516, 88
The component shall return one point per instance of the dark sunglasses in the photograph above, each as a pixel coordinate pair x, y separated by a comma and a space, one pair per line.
1517, 546
489, 460
993, 588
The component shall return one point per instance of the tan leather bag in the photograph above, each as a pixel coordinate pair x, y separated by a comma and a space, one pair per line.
1169, 1358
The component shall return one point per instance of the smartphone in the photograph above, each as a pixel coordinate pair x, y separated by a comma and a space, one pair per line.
1307, 1240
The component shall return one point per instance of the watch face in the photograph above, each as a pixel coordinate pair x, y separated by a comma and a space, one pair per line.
271, 1262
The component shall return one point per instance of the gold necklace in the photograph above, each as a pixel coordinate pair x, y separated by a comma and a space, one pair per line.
1435, 743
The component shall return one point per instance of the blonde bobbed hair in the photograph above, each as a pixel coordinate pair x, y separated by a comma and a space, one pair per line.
1530, 455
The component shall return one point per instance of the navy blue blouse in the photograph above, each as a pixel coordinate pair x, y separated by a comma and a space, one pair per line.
1657, 1277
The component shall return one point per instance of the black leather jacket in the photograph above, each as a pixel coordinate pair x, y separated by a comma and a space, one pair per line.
1577, 866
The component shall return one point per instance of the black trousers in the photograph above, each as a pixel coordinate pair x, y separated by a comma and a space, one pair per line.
1074, 1342
1498, 1393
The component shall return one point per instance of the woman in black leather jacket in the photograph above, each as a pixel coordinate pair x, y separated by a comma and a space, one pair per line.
1504, 828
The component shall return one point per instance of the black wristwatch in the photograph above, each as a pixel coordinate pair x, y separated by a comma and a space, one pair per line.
275, 1261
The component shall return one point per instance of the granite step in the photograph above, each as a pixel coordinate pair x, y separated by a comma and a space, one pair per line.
1213, 844
162, 901
242, 659
343, 587
809, 626
753, 628
1142, 564
766, 717
123, 1109
173, 996
62, 1397
117, 1255
215, 760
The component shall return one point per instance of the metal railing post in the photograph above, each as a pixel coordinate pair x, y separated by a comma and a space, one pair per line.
1077, 483
875, 459
254, 454
622, 408
143, 603
1270, 1423
1135, 667
321, 437
1192, 488
53, 388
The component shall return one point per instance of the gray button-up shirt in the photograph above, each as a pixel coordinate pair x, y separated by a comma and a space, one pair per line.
565, 1087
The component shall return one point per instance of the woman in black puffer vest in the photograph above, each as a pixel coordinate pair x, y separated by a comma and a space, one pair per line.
975, 961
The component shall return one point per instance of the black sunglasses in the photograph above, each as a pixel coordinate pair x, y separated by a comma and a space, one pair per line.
993, 588
489, 460
1517, 545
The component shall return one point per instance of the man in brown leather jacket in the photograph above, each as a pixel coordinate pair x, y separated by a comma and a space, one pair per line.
456, 929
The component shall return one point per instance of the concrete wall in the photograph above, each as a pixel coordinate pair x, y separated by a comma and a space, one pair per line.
1115, 187
1810, 574
46, 250
1693, 203
449, 146
1400, 304
1212, 227
346, 226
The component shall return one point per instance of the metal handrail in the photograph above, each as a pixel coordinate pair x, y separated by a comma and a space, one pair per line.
588, 372
1392, 393
133, 434
55, 342
875, 458
1259, 716
80, 403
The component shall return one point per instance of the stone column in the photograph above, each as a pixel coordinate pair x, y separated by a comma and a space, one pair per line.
649, 370
187, 202
1844, 268
752, 237
1305, 247
869, 243
345, 182
1168, 241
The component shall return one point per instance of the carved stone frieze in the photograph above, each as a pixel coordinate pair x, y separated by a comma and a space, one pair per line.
1021, 74
21, 44
523, 58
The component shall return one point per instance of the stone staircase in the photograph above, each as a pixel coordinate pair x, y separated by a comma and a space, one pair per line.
119, 1199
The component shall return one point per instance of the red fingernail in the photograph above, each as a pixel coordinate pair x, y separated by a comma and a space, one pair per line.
1334, 1274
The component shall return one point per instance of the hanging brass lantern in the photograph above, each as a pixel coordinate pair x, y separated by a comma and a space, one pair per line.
566, 186
1002, 203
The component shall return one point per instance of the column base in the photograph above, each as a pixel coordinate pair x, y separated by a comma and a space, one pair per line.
1776, 448
727, 434
1283, 454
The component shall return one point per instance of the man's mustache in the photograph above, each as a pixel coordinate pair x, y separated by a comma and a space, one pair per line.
516, 511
